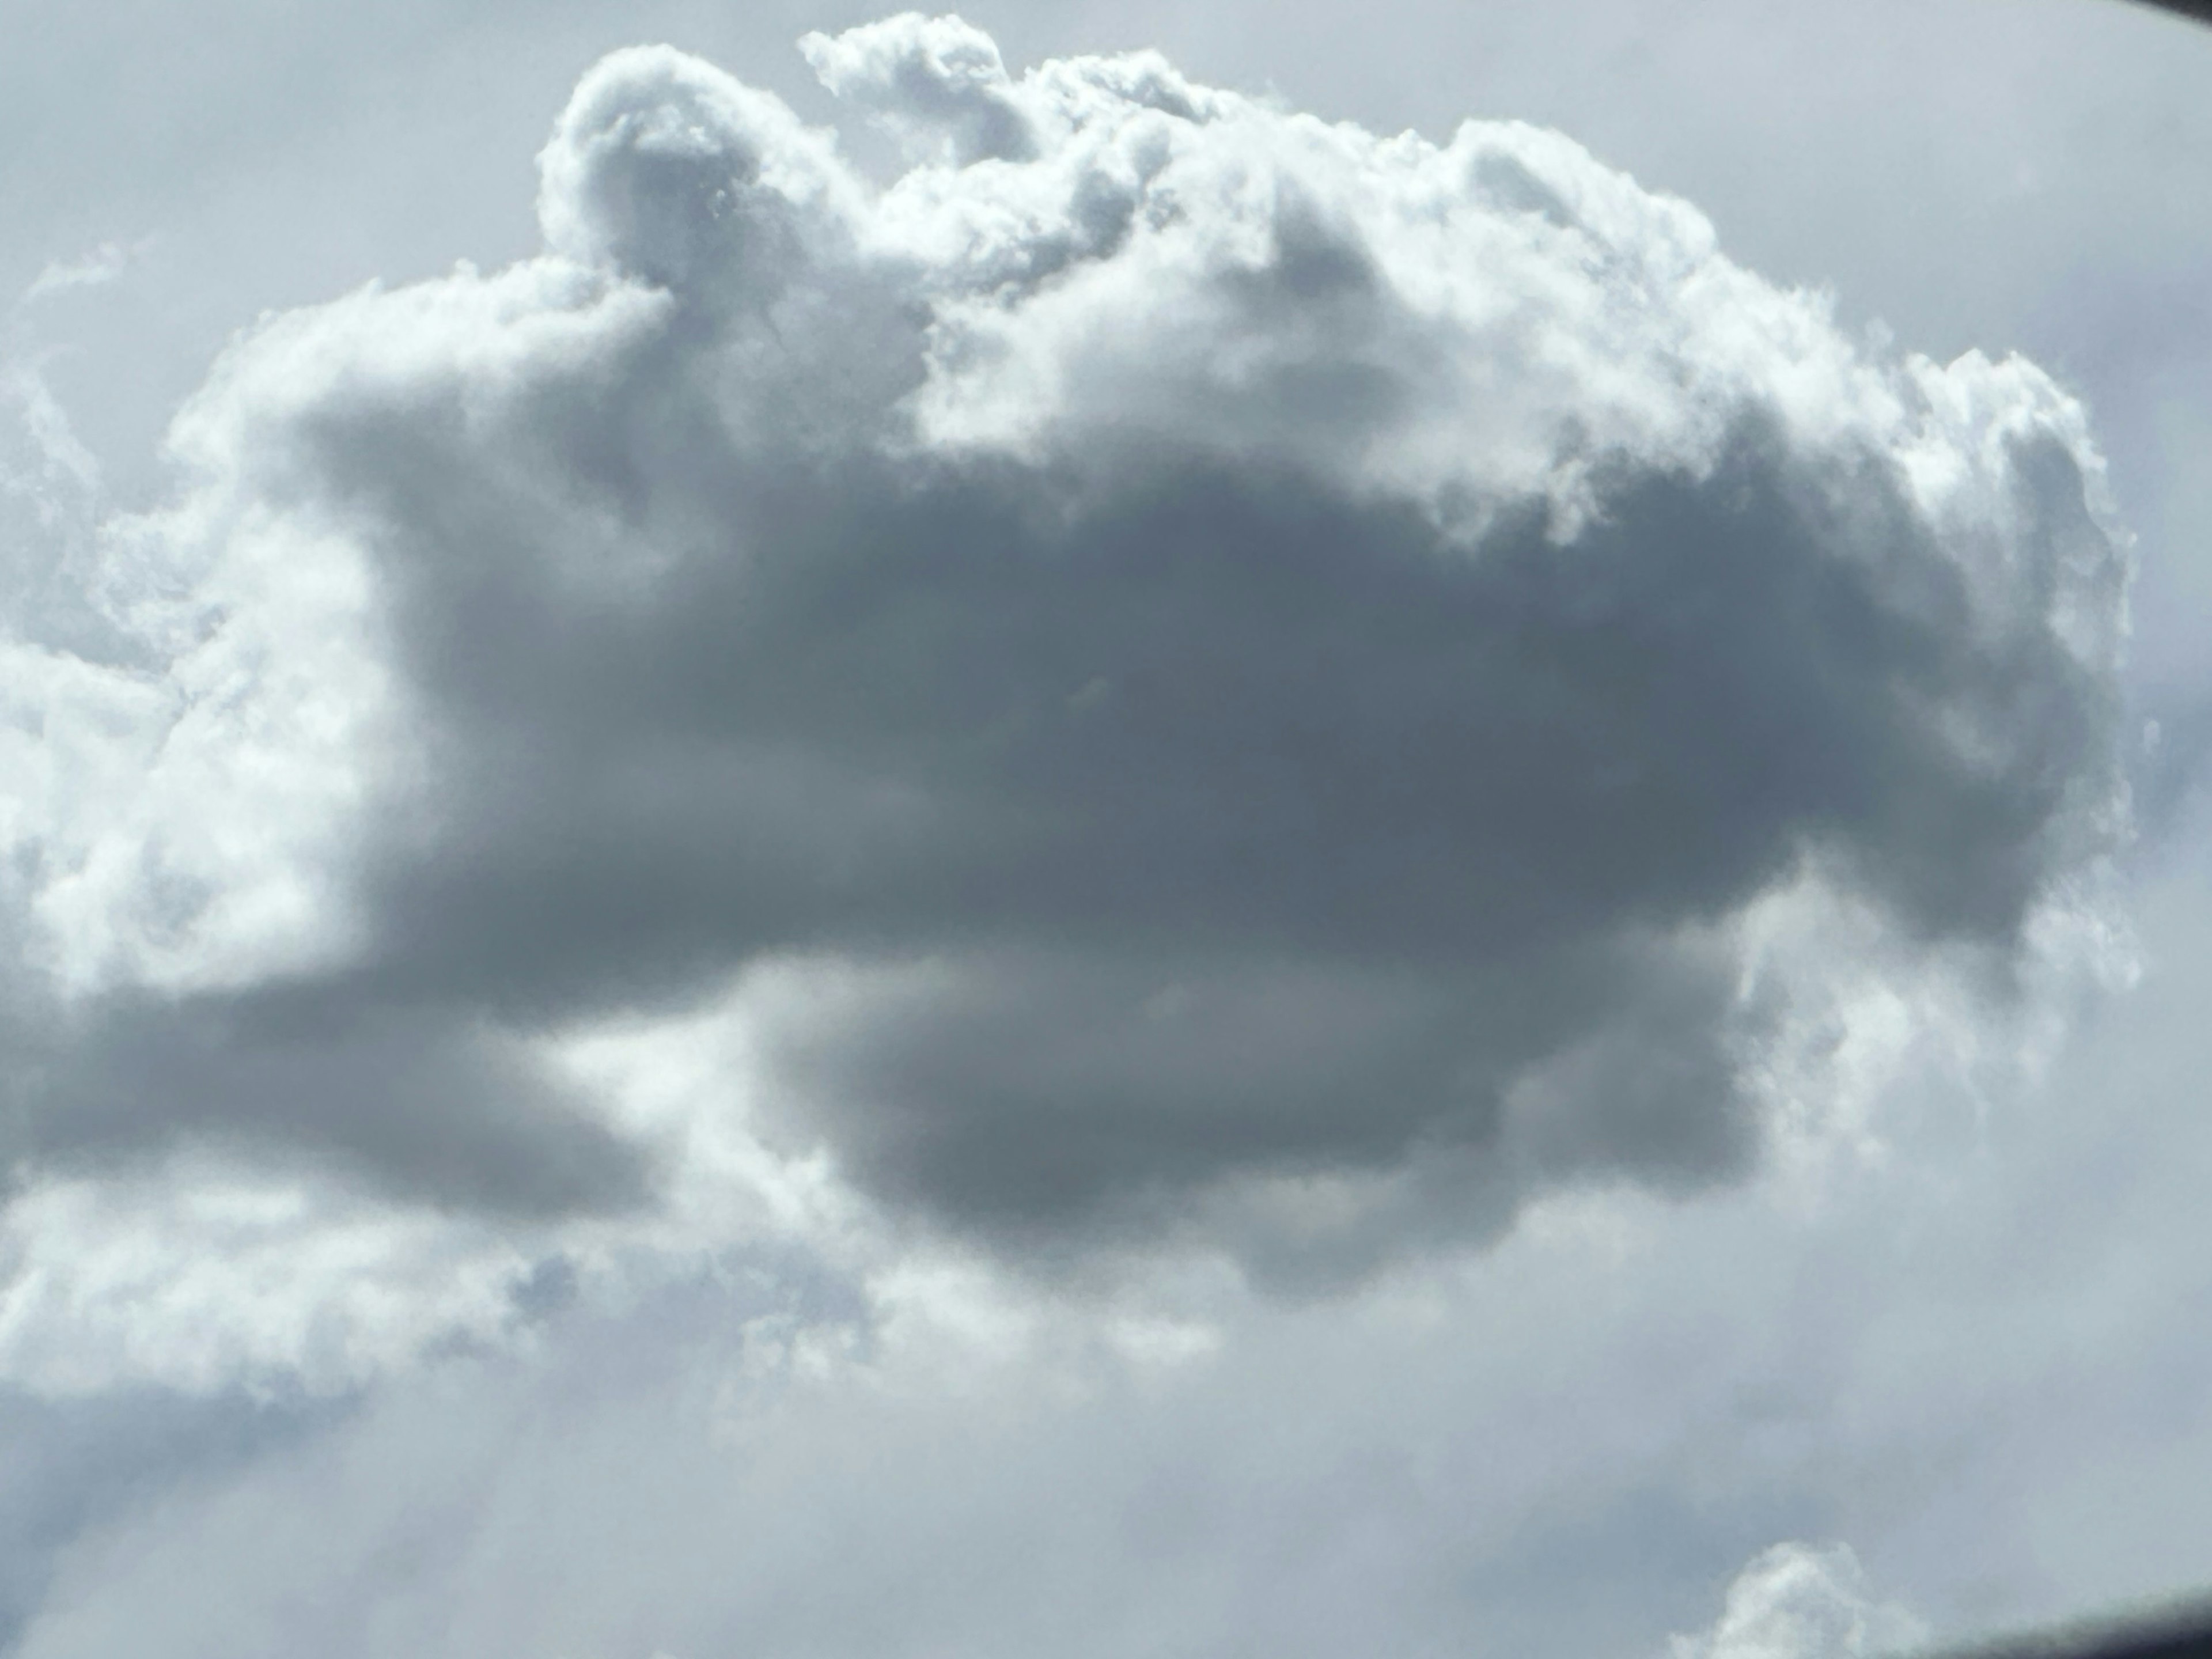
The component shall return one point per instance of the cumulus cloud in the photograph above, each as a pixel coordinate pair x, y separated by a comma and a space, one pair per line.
1174, 664
1797, 1602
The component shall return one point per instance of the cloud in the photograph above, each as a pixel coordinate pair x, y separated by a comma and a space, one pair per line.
937, 83
1967, 1364
216, 1287
717, 1466
1176, 667
1797, 1602
102, 265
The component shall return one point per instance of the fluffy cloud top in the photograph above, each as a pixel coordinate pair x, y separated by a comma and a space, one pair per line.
1798, 1602
1180, 665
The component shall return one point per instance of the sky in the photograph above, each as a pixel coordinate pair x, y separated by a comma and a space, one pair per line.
1168, 830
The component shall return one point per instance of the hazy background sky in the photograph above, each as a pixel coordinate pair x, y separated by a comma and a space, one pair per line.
436, 1380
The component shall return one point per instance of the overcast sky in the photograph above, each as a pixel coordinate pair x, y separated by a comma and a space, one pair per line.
1155, 830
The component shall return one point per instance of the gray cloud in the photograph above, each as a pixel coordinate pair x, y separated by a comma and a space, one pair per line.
447, 1109
1965, 1358
1237, 650
1968, 1366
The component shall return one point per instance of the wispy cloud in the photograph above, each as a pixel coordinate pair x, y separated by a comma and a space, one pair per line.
102, 264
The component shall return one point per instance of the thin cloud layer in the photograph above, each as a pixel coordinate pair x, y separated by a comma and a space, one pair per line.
1186, 669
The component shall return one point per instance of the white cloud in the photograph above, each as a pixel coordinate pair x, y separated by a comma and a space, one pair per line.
937, 83
205, 1281
1795, 1602
102, 265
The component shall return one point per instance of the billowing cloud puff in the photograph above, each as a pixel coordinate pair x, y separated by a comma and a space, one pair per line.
1180, 666
1795, 1602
